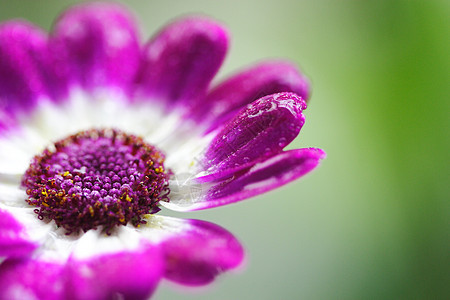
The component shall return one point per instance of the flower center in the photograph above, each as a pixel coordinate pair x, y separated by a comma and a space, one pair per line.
97, 178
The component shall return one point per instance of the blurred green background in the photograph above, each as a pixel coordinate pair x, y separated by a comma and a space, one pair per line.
373, 221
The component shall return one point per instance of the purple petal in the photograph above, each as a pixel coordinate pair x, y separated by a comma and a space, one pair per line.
13, 241
124, 275
199, 252
31, 279
265, 176
179, 63
22, 50
96, 45
249, 181
7, 121
262, 129
245, 87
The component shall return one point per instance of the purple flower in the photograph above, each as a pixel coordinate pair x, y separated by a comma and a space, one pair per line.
97, 132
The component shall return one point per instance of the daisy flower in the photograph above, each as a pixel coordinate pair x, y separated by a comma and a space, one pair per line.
98, 131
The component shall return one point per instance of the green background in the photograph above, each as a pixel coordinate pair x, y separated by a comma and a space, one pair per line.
373, 221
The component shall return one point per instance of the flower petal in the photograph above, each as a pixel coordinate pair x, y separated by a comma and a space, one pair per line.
96, 44
252, 179
121, 271
22, 49
124, 275
262, 129
261, 80
195, 251
13, 239
6, 121
31, 279
179, 63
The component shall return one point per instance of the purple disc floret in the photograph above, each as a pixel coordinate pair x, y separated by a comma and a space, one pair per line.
97, 178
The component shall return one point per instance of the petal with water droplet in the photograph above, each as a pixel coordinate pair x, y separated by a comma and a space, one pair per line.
265, 78
260, 130
250, 180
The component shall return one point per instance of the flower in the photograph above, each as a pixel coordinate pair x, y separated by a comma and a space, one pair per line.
97, 133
